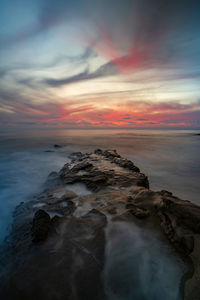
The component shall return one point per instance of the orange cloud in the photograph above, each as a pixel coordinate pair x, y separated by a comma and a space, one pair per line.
138, 114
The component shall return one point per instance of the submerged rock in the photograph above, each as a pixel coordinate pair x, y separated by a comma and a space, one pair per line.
57, 146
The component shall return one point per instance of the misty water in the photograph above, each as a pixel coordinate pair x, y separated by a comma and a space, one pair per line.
139, 266
170, 159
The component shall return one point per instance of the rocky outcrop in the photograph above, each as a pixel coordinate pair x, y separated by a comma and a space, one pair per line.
56, 248
102, 169
57, 146
41, 226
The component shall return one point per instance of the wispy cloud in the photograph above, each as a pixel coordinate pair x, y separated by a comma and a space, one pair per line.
137, 63
107, 69
76, 115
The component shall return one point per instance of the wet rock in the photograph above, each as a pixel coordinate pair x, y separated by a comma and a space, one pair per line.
57, 146
75, 155
85, 165
138, 212
55, 200
134, 211
41, 226
127, 164
111, 154
55, 221
96, 216
69, 264
180, 212
98, 152
187, 242
111, 209
98, 171
53, 180
165, 193
192, 286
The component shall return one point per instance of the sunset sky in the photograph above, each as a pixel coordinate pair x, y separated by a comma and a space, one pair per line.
99, 63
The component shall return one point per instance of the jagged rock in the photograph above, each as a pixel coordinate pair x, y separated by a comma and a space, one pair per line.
192, 286
96, 216
68, 195
129, 214
100, 170
68, 263
138, 212
41, 226
98, 152
111, 209
165, 193
114, 157
127, 164
75, 155
180, 220
57, 146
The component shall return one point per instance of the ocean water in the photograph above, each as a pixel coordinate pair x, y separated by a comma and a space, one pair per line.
138, 265
170, 159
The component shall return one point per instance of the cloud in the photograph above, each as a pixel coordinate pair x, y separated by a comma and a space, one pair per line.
145, 34
151, 47
88, 116
83, 57
106, 69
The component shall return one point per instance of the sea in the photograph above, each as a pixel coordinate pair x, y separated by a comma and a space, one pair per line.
170, 159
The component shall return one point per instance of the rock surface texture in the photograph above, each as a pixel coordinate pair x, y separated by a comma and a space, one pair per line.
57, 244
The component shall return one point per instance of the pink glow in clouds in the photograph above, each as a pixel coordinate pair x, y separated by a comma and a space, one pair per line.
139, 114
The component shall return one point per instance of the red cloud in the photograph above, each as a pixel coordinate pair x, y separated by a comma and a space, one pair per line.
131, 114
135, 57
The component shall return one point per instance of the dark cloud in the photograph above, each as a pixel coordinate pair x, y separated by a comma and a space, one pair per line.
150, 33
130, 34
107, 69
169, 121
26, 123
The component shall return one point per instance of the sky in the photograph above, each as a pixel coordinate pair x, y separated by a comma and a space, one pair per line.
99, 64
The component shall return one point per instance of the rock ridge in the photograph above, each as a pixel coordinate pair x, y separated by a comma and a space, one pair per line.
57, 243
